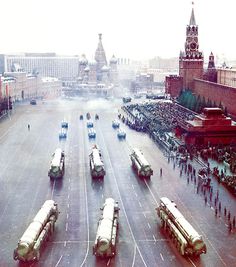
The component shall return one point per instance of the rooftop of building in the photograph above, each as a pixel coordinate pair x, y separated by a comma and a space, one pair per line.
211, 119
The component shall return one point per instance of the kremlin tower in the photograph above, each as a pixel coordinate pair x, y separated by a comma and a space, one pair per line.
191, 60
210, 85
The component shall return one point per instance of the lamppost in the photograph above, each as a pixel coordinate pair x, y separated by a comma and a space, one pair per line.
8, 98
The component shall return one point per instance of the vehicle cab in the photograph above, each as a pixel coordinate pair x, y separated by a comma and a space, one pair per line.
33, 102
121, 133
91, 133
115, 124
88, 116
62, 133
90, 124
64, 124
126, 99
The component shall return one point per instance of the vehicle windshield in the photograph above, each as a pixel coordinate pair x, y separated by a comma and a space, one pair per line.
99, 168
54, 169
147, 168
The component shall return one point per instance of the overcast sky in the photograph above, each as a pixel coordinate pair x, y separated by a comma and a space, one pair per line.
136, 29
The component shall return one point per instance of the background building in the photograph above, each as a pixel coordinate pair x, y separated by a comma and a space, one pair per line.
46, 64
227, 76
21, 86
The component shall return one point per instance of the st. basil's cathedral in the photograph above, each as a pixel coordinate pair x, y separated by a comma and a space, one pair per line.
97, 76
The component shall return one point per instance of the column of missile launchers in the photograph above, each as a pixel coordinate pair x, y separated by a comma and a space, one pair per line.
44, 223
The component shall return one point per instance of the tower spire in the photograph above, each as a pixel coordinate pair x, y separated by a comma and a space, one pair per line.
191, 61
100, 57
192, 18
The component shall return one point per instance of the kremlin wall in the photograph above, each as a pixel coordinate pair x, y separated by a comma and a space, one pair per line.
219, 93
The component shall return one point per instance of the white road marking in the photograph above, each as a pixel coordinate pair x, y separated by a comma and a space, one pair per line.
68, 205
87, 216
154, 238
134, 255
58, 261
192, 262
53, 189
135, 194
149, 225
151, 192
67, 216
133, 186
108, 262
144, 215
140, 205
102, 196
151, 240
161, 257
6, 132
66, 226
65, 244
68, 196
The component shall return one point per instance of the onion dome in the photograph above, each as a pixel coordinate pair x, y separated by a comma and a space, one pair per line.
105, 68
83, 60
87, 69
113, 60
92, 62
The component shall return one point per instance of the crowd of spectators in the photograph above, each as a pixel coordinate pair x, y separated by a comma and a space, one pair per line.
220, 153
160, 119
227, 156
156, 116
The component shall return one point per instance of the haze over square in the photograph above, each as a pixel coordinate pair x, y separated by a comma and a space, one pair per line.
138, 30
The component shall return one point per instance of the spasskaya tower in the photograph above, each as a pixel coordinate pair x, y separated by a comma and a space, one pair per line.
191, 60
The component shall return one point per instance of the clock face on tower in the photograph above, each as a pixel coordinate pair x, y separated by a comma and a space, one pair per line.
193, 46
